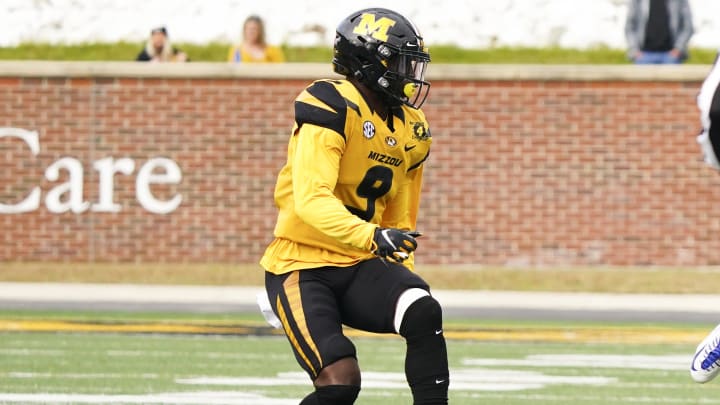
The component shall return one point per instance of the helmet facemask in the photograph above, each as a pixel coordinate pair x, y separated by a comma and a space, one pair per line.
404, 79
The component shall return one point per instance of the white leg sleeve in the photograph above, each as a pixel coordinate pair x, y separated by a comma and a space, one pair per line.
406, 299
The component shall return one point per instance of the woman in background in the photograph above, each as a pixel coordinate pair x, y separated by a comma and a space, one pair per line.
253, 47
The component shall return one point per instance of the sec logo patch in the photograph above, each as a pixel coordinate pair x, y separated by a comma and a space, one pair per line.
368, 129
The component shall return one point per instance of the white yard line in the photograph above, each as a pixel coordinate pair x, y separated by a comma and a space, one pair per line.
178, 398
464, 380
668, 362
30, 374
32, 352
240, 398
507, 379
574, 399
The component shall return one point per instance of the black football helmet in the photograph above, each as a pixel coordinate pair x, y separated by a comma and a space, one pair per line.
384, 51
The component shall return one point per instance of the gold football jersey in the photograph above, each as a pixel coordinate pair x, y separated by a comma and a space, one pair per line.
348, 172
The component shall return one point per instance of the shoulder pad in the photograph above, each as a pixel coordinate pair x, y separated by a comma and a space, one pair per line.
322, 104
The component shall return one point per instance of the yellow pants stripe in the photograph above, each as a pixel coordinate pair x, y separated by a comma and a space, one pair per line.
291, 335
292, 291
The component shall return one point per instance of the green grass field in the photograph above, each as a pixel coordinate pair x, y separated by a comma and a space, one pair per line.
510, 363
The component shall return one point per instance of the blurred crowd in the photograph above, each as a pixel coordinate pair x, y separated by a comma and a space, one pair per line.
252, 48
657, 32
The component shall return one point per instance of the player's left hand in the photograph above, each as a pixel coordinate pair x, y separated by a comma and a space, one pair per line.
394, 243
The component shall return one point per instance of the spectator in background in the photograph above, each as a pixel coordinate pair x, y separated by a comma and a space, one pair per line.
658, 31
159, 49
253, 47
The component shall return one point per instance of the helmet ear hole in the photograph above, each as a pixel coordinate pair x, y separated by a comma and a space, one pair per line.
370, 47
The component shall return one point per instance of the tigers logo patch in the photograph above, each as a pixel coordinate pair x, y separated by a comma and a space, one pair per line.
419, 131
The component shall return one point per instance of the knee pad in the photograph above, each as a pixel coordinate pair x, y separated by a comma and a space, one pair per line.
407, 298
426, 363
423, 317
337, 394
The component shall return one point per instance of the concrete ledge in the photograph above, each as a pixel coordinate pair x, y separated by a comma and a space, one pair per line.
630, 73
246, 295
42, 69
309, 71
465, 304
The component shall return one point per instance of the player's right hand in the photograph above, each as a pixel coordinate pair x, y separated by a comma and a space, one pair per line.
394, 244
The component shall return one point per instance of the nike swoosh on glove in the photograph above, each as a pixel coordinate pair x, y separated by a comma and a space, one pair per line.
394, 243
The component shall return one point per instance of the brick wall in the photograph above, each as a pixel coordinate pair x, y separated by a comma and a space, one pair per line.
549, 168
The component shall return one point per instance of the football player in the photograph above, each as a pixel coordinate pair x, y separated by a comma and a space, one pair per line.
348, 199
706, 362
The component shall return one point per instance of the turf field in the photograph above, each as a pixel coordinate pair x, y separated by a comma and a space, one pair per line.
98, 358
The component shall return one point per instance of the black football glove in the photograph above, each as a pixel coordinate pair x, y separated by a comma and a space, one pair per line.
394, 243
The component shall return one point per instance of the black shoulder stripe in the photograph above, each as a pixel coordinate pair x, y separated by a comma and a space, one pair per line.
400, 113
353, 106
328, 94
416, 165
309, 114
